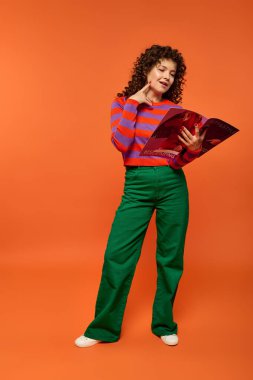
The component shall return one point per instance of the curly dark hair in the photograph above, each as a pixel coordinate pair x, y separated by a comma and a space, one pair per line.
146, 61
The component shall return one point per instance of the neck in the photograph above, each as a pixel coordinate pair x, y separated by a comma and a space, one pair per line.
154, 97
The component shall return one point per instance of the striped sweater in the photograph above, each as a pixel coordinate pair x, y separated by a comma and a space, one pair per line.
132, 123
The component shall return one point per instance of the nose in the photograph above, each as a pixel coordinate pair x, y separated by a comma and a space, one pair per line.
167, 78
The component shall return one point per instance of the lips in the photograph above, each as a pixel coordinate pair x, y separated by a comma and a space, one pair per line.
163, 84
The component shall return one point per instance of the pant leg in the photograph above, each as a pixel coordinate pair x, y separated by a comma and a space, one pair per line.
172, 215
121, 256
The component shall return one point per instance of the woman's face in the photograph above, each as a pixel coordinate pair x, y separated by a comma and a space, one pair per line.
163, 72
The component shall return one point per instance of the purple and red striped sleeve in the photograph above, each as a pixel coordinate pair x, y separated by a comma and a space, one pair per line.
184, 157
123, 119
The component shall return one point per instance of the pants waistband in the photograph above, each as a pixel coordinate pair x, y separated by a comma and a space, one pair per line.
145, 166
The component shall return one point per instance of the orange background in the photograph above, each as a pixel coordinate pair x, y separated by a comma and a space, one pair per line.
62, 62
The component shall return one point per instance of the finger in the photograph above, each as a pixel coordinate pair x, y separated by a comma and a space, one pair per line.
196, 131
181, 138
202, 136
186, 131
148, 100
188, 136
147, 85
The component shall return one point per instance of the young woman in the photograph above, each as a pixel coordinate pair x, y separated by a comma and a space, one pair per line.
151, 183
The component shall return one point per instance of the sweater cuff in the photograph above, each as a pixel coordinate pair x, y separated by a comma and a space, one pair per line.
133, 101
196, 151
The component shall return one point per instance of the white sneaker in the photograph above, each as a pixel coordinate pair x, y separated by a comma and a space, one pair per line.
84, 341
171, 340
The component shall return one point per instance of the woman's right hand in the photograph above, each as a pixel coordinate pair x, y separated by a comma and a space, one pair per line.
141, 95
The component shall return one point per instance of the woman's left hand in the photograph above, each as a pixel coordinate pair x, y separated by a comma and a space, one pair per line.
192, 142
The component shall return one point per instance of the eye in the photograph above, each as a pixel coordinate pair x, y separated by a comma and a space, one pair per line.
164, 70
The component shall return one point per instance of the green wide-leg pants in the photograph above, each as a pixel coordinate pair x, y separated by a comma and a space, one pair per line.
146, 188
